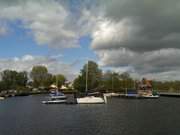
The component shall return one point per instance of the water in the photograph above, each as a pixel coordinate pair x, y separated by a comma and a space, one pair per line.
27, 116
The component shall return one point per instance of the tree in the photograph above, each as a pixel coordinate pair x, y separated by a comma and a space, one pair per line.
2, 86
48, 80
125, 76
94, 77
9, 78
79, 84
21, 78
127, 81
60, 80
13, 79
39, 76
111, 81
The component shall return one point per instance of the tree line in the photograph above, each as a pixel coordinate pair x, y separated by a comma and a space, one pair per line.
108, 81
99, 81
39, 77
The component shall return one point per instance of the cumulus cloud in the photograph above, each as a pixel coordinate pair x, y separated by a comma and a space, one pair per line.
3, 29
141, 36
25, 63
50, 22
139, 25
163, 63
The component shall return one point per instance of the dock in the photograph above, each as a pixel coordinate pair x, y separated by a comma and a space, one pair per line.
71, 99
169, 94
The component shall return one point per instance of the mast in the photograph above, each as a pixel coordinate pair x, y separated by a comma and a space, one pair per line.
87, 77
56, 82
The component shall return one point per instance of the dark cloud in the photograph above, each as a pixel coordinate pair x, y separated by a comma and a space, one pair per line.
143, 36
154, 62
153, 21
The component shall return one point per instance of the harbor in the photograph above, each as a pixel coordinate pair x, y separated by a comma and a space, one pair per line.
89, 67
118, 116
169, 94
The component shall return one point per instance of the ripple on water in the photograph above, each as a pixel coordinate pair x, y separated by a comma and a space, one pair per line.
27, 116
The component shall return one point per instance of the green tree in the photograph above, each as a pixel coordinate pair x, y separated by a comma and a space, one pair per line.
2, 86
13, 79
9, 78
48, 80
94, 77
60, 80
21, 78
39, 75
126, 81
111, 81
125, 76
79, 83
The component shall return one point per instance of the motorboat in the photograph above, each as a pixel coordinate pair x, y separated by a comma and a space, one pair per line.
1, 98
149, 96
145, 90
55, 98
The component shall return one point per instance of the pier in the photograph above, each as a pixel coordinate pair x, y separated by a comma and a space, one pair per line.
169, 94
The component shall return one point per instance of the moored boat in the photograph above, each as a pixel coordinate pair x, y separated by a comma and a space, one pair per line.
145, 90
55, 98
1, 98
90, 98
149, 96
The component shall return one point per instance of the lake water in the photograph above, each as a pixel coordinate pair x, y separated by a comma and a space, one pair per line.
27, 116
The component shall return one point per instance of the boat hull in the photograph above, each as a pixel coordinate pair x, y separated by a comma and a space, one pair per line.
90, 100
142, 96
1, 98
58, 97
54, 102
150, 97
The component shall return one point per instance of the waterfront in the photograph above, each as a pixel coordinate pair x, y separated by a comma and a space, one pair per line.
27, 116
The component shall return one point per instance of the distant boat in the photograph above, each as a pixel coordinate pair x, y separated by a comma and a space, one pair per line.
90, 99
1, 98
56, 98
145, 89
142, 95
149, 96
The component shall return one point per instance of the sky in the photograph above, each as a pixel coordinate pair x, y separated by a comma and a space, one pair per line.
141, 37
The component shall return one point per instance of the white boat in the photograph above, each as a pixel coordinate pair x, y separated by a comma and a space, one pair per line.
145, 90
149, 96
55, 98
91, 100
1, 98
54, 101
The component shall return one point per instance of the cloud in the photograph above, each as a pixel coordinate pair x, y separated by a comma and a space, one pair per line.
157, 64
140, 36
25, 63
3, 29
138, 25
116, 58
50, 22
